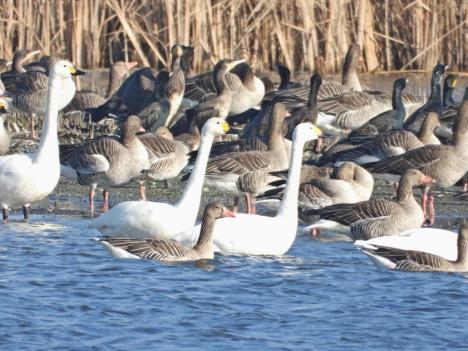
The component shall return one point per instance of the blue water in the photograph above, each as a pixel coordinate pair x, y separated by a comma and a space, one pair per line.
60, 290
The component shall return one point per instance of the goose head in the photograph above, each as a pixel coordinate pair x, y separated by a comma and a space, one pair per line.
215, 127
65, 69
217, 210
400, 83
415, 177
131, 126
177, 51
306, 132
439, 71
346, 171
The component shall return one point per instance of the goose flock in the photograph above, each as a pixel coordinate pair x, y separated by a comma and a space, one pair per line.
310, 153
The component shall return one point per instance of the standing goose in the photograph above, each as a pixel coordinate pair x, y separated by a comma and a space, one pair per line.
388, 120
174, 90
218, 105
250, 234
30, 95
28, 178
449, 107
158, 220
373, 218
19, 58
285, 78
106, 160
4, 137
139, 92
391, 143
246, 89
361, 104
307, 112
433, 104
246, 173
349, 82
167, 158
446, 164
88, 99
419, 261
171, 250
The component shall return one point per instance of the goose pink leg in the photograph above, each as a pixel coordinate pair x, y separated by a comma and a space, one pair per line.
142, 190
105, 195
91, 197
431, 209
424, 203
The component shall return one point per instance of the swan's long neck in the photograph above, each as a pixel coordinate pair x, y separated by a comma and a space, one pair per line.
48, 147
192, 191
288, 205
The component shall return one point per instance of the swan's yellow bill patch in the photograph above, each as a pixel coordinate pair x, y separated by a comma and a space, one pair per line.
72, 69
225, 126
317, 131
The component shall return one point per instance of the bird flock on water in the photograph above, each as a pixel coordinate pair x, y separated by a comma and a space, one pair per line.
308, 152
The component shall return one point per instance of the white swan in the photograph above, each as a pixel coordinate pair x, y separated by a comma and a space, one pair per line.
25, 178
249, 234
430, 240
158, 220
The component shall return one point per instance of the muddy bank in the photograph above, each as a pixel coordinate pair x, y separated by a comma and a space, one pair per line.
69, 198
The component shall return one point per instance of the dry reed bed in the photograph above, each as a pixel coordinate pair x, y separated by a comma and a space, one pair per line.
305, 34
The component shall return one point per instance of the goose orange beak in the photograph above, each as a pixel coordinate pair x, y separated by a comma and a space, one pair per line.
227, 213
130, 65
426, 180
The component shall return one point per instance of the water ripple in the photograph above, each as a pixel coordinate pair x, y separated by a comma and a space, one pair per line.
62, 289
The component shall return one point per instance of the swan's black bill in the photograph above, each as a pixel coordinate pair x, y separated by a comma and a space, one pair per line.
77, 72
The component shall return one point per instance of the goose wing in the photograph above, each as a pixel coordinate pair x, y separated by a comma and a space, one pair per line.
91, 158
348, 214
238, 163
200, 88
351, 109
241, 145
417, 158
161, 151
161, 250
310, 196
407, 260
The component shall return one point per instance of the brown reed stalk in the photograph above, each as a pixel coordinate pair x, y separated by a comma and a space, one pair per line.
303, 34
